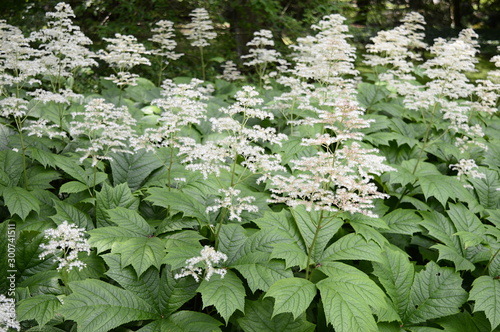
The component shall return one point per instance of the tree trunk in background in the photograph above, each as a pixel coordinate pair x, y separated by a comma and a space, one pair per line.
456, 14
242, 22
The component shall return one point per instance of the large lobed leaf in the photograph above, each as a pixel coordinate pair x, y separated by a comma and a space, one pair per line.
485, 293
98, 306
436, 292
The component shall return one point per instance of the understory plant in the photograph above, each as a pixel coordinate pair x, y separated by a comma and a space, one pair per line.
318, 200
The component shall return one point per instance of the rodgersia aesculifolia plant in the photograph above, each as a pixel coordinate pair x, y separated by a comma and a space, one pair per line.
323, 201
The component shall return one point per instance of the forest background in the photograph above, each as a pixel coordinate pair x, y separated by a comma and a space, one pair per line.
236, 21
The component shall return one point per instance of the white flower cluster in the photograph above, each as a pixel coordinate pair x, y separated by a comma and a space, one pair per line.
326, 57
467, 168
66, 240
19, 62
122, 53
233, 203
396, 49
8, 314
181, 105
213, 156
63, 44
209, 257
260, 55
106, 127
230, 72
163, 36
199, 31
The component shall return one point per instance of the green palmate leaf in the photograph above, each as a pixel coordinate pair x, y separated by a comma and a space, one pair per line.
226, 294
176, 257
69, 166
46, 282
111, 197
41, 308
442, 229
260, 271
133, 169
436, 292
259, 318
183, 239
45, 158
73, 187
352, 247
141, 253
71, 214
94, 267
178, 202
40, 178
307, 224
11, 163
98, 306
485, 293
103, 238
165, 293
231, 238
469, 227
370, 94
395, 273
486, 189
130, 220
360, 287
464, 322
20, 201
293, 295
444, 187
291, 253
345, 310
281, 223
27, 251
402, 221
184, 321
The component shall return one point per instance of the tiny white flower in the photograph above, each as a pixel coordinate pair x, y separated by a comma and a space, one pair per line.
208, 257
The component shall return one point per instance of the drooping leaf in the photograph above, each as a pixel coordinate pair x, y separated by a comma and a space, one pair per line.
11, 164
344, 309
352, 247
226, 294
442, 187
486, 189
130, 220
360, 287
71, 214
133, 169
73, 187
41, 308
97, 306
261, 272
436, 292
402, 221
178, 202
485, 293
20, 201
111, 197
395, 273
103, 238
45, 282
291, 253
141, 253
231, 238
469, 227
258, 318
293, 295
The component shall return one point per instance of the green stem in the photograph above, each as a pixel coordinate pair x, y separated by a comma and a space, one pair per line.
202, 63
313, 243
